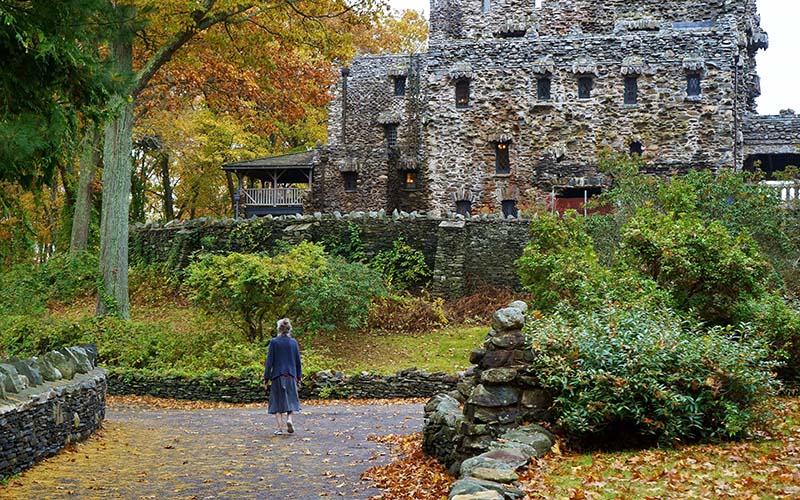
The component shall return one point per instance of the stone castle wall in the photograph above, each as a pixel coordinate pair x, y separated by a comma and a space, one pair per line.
503, 47
463, 254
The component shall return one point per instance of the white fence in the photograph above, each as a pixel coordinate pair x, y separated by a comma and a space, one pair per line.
274, 197
788, 190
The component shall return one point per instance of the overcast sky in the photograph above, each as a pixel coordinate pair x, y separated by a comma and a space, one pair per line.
779, 66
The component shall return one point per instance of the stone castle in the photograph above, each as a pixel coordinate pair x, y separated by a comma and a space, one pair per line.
514, 95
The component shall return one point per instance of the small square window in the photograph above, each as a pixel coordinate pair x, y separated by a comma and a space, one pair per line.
585, 87
390, 132
631, 90
635, 148
462, 93
693, 88
463, 207
399, 86
543, 85
350, 181
509, 208
502, 162
410, 180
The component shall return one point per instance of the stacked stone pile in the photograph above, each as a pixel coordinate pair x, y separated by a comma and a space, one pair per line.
47, 402
481, 431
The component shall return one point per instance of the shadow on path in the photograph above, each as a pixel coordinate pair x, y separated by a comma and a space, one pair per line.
221, 454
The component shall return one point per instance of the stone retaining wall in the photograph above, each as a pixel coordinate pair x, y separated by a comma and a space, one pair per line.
322, 385
464, 254
47, 403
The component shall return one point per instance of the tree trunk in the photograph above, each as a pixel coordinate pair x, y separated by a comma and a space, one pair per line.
231, 190
113, 297
166, 183
90, 157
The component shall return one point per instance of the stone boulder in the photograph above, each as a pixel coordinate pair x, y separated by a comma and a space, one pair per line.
82, 362
535, 436
488, 469
442, 417
518, 304
13, 382
46, 368
467, 487
65, 365
24, 367
91, 352
509, 318
3, 386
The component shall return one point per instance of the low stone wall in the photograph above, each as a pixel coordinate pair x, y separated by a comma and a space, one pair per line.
463, 253
321, 385
47, 403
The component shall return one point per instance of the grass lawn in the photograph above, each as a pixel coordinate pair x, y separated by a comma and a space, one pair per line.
444, 350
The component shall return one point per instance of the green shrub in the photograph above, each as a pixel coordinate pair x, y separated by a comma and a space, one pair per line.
348, 245
779, 323
559, 263
699, 263
340, 297
632, 372
402, 266
253, 289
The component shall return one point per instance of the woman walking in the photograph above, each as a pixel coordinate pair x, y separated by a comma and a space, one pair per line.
282, 374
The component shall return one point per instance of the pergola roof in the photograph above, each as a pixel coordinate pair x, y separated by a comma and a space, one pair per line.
303, 160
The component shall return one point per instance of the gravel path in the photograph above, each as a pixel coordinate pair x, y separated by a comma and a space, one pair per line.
221, 454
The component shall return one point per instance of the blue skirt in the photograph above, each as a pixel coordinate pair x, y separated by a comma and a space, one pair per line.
283, 395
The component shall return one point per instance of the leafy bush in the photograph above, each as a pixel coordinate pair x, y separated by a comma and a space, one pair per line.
153, 284
402, 266
340, 297
347, 246
404, 313
703, 267
252, 289
649, 374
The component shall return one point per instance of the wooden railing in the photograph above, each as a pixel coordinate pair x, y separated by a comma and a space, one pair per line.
278, 197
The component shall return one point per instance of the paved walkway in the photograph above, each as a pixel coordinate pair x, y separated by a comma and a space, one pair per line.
221, 454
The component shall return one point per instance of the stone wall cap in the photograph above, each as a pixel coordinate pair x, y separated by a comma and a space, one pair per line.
457, 224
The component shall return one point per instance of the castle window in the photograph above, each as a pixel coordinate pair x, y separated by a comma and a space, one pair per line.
463, 207
631, 90
509, 208
390, 132
635, 148
350, 181
585, 87
486, 5
502, 163
693, 85
543, 85
538, 4
399, 86
410, 179
462, 93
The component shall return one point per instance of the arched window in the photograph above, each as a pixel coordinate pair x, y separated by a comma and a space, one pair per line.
486, 5
410, 179
463, 207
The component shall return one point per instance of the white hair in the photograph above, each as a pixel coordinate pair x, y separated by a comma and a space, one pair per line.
284, 326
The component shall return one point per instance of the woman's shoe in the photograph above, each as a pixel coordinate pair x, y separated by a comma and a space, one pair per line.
289, 427
278, 432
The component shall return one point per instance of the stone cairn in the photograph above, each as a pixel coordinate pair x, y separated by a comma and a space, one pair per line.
17, 375
482, 431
